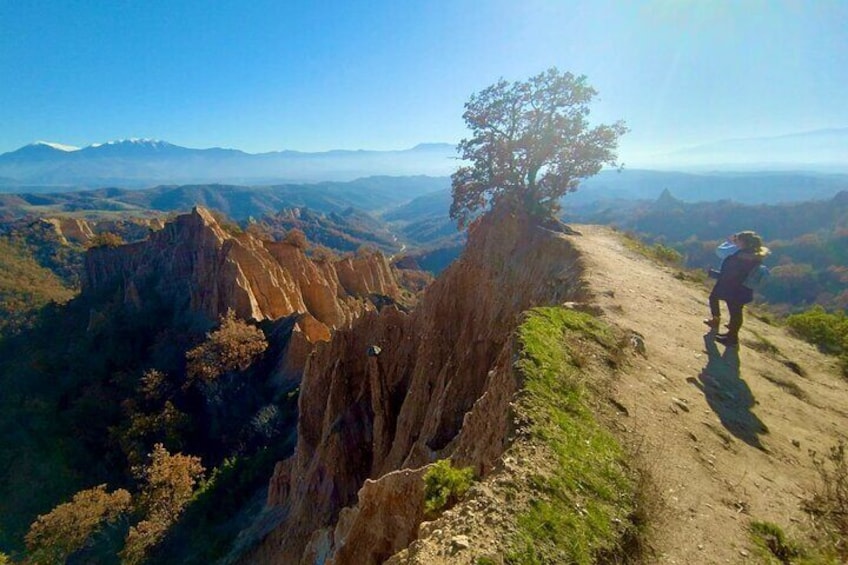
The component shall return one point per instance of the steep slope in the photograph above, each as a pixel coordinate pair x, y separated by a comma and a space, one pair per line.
25, 286
441, 384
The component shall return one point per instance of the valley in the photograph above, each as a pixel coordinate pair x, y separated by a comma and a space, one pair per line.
136, 294
305, 357
423, 283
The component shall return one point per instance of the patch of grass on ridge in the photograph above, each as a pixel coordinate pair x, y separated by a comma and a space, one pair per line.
658, 252
582, 506
666, 256
773, 546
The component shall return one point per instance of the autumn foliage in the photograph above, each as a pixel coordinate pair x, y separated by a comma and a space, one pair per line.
233, 346
68, 527
167, 486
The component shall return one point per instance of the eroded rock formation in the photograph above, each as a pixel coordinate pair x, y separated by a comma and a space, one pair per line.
80, 232
197, 259
71, 229
440, 386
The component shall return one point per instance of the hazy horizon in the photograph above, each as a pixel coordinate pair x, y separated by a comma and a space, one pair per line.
823, 150
272, 76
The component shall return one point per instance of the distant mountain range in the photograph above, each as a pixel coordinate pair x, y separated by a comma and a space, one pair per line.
137, 163
140, 163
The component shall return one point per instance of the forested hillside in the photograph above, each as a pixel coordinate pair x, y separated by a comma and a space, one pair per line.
25, 286
235, 201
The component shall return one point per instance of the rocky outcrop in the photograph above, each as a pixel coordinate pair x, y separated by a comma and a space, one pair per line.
80, 232
384, 521
71, 229
440, 386
210, 268
299, 341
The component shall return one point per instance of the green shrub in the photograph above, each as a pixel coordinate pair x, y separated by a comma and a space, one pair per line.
694, 275
233, 346
657, 252
296, 238
666, 254
444, 485
168, 484
226, 224
827, 330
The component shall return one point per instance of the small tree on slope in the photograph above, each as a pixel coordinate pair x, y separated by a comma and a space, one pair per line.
531, 144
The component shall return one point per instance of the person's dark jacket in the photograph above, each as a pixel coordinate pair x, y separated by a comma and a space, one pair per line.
734, 270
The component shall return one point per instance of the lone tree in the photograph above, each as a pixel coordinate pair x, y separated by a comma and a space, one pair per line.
531, 144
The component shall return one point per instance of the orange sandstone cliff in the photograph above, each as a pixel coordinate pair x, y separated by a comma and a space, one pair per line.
195, 258
397, 391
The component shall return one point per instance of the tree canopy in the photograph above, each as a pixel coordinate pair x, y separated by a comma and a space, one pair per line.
54, 536
233, 346
531, 144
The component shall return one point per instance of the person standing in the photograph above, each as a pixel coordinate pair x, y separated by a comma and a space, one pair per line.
730, 286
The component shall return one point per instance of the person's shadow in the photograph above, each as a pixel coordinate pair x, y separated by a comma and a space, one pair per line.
728, 395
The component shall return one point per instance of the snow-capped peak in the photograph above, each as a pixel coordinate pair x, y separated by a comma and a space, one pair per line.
138, 141
59, 146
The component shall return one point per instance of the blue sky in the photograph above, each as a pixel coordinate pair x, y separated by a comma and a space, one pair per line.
313, 76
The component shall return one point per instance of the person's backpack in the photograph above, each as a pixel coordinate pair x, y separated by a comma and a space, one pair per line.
757, 277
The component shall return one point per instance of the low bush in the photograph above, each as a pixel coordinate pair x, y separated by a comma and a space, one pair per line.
105, 239
296, 238
445, 485
657, 252
233, 346
829, 331
666, 254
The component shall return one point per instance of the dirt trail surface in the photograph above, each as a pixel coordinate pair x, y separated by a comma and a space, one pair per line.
725, 432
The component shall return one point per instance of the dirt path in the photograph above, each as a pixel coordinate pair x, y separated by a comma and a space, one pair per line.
725, 432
